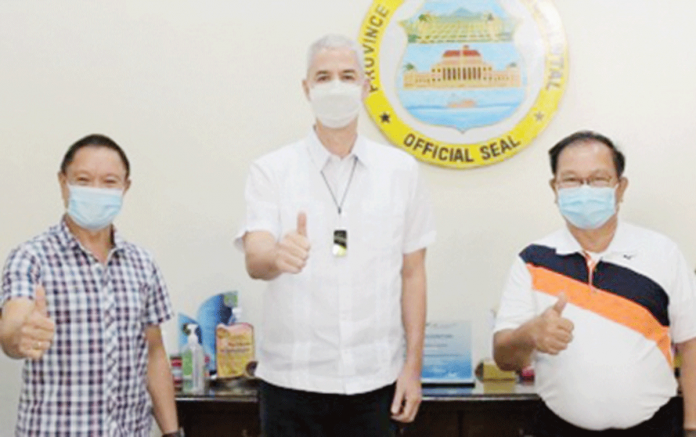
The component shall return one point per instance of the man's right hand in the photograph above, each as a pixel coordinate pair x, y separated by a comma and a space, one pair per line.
552, 332
35, 335
293, 248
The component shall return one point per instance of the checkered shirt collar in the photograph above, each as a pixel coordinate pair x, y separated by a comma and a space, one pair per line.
68, 241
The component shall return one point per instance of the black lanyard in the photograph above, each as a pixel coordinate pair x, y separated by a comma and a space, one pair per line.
339, 206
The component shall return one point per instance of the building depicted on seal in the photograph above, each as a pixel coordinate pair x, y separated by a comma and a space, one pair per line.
463, 68
459, 26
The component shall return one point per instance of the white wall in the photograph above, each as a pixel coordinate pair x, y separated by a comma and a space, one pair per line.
195, 90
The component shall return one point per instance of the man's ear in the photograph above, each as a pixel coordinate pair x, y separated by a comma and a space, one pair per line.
64, 190
552, 184
305, 87
621, 189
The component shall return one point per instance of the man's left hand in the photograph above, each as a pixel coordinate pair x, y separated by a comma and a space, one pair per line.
407, 397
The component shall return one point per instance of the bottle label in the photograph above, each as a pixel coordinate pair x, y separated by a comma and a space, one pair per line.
187, 364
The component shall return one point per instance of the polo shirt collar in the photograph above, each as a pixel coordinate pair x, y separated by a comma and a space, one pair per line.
320, 155
621, 244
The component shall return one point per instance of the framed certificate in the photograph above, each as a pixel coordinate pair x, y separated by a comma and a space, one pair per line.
447, 353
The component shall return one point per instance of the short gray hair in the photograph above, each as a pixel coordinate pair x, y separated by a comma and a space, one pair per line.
334, 41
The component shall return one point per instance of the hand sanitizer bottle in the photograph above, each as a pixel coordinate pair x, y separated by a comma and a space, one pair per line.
192, 362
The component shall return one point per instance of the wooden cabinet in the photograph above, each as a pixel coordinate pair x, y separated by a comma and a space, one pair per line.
494, 409
500, 418
212, 418
434, 420
505, 411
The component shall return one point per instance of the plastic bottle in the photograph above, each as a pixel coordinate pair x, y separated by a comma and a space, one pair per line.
192, 363
236, 315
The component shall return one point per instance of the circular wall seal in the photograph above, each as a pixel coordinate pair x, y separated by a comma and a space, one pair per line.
463, 84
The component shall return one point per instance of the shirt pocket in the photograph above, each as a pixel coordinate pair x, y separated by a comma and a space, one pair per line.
384, 230
71, 301
132, 296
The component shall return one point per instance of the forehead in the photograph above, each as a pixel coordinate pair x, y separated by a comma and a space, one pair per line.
334, 59
586, 156
98, 160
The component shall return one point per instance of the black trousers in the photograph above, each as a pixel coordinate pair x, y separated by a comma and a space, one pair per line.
296, 413
667, 422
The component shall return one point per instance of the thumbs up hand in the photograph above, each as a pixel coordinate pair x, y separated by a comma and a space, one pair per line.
37, 331
302, 224
293, 249
553, 332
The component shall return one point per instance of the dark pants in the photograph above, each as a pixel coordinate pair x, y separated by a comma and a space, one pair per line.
667, 422
295, 413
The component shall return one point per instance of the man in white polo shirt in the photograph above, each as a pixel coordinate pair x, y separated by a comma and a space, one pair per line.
338, 225
597, 306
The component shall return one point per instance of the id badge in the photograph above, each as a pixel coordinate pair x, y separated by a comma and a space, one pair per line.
340, 243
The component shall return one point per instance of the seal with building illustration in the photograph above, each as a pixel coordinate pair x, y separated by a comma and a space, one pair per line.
463, 83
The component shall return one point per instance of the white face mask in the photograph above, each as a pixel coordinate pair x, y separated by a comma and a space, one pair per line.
337, 103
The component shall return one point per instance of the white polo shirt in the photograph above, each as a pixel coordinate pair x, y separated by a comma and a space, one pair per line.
638, 298
336, 327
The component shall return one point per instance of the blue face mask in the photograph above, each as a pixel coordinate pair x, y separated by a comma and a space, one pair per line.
94, 208
587, 207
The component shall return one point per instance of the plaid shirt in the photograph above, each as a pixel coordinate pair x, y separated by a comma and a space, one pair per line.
92, 381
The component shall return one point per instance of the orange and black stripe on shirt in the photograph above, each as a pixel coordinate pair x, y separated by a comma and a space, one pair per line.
609, 290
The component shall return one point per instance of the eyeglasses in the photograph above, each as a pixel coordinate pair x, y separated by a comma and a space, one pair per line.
593, 181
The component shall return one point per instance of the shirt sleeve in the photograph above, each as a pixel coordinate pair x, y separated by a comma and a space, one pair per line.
158, 306
20, 276
420, 220
262, 211
517, 303
682, 302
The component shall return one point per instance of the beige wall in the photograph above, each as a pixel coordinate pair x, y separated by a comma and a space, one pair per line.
195, 90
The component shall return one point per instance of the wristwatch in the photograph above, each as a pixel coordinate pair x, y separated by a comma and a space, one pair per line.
178, 433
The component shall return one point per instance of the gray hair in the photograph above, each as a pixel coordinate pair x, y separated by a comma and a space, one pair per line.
334, 41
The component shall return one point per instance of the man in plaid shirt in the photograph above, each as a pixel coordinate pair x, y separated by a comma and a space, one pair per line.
83, 307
